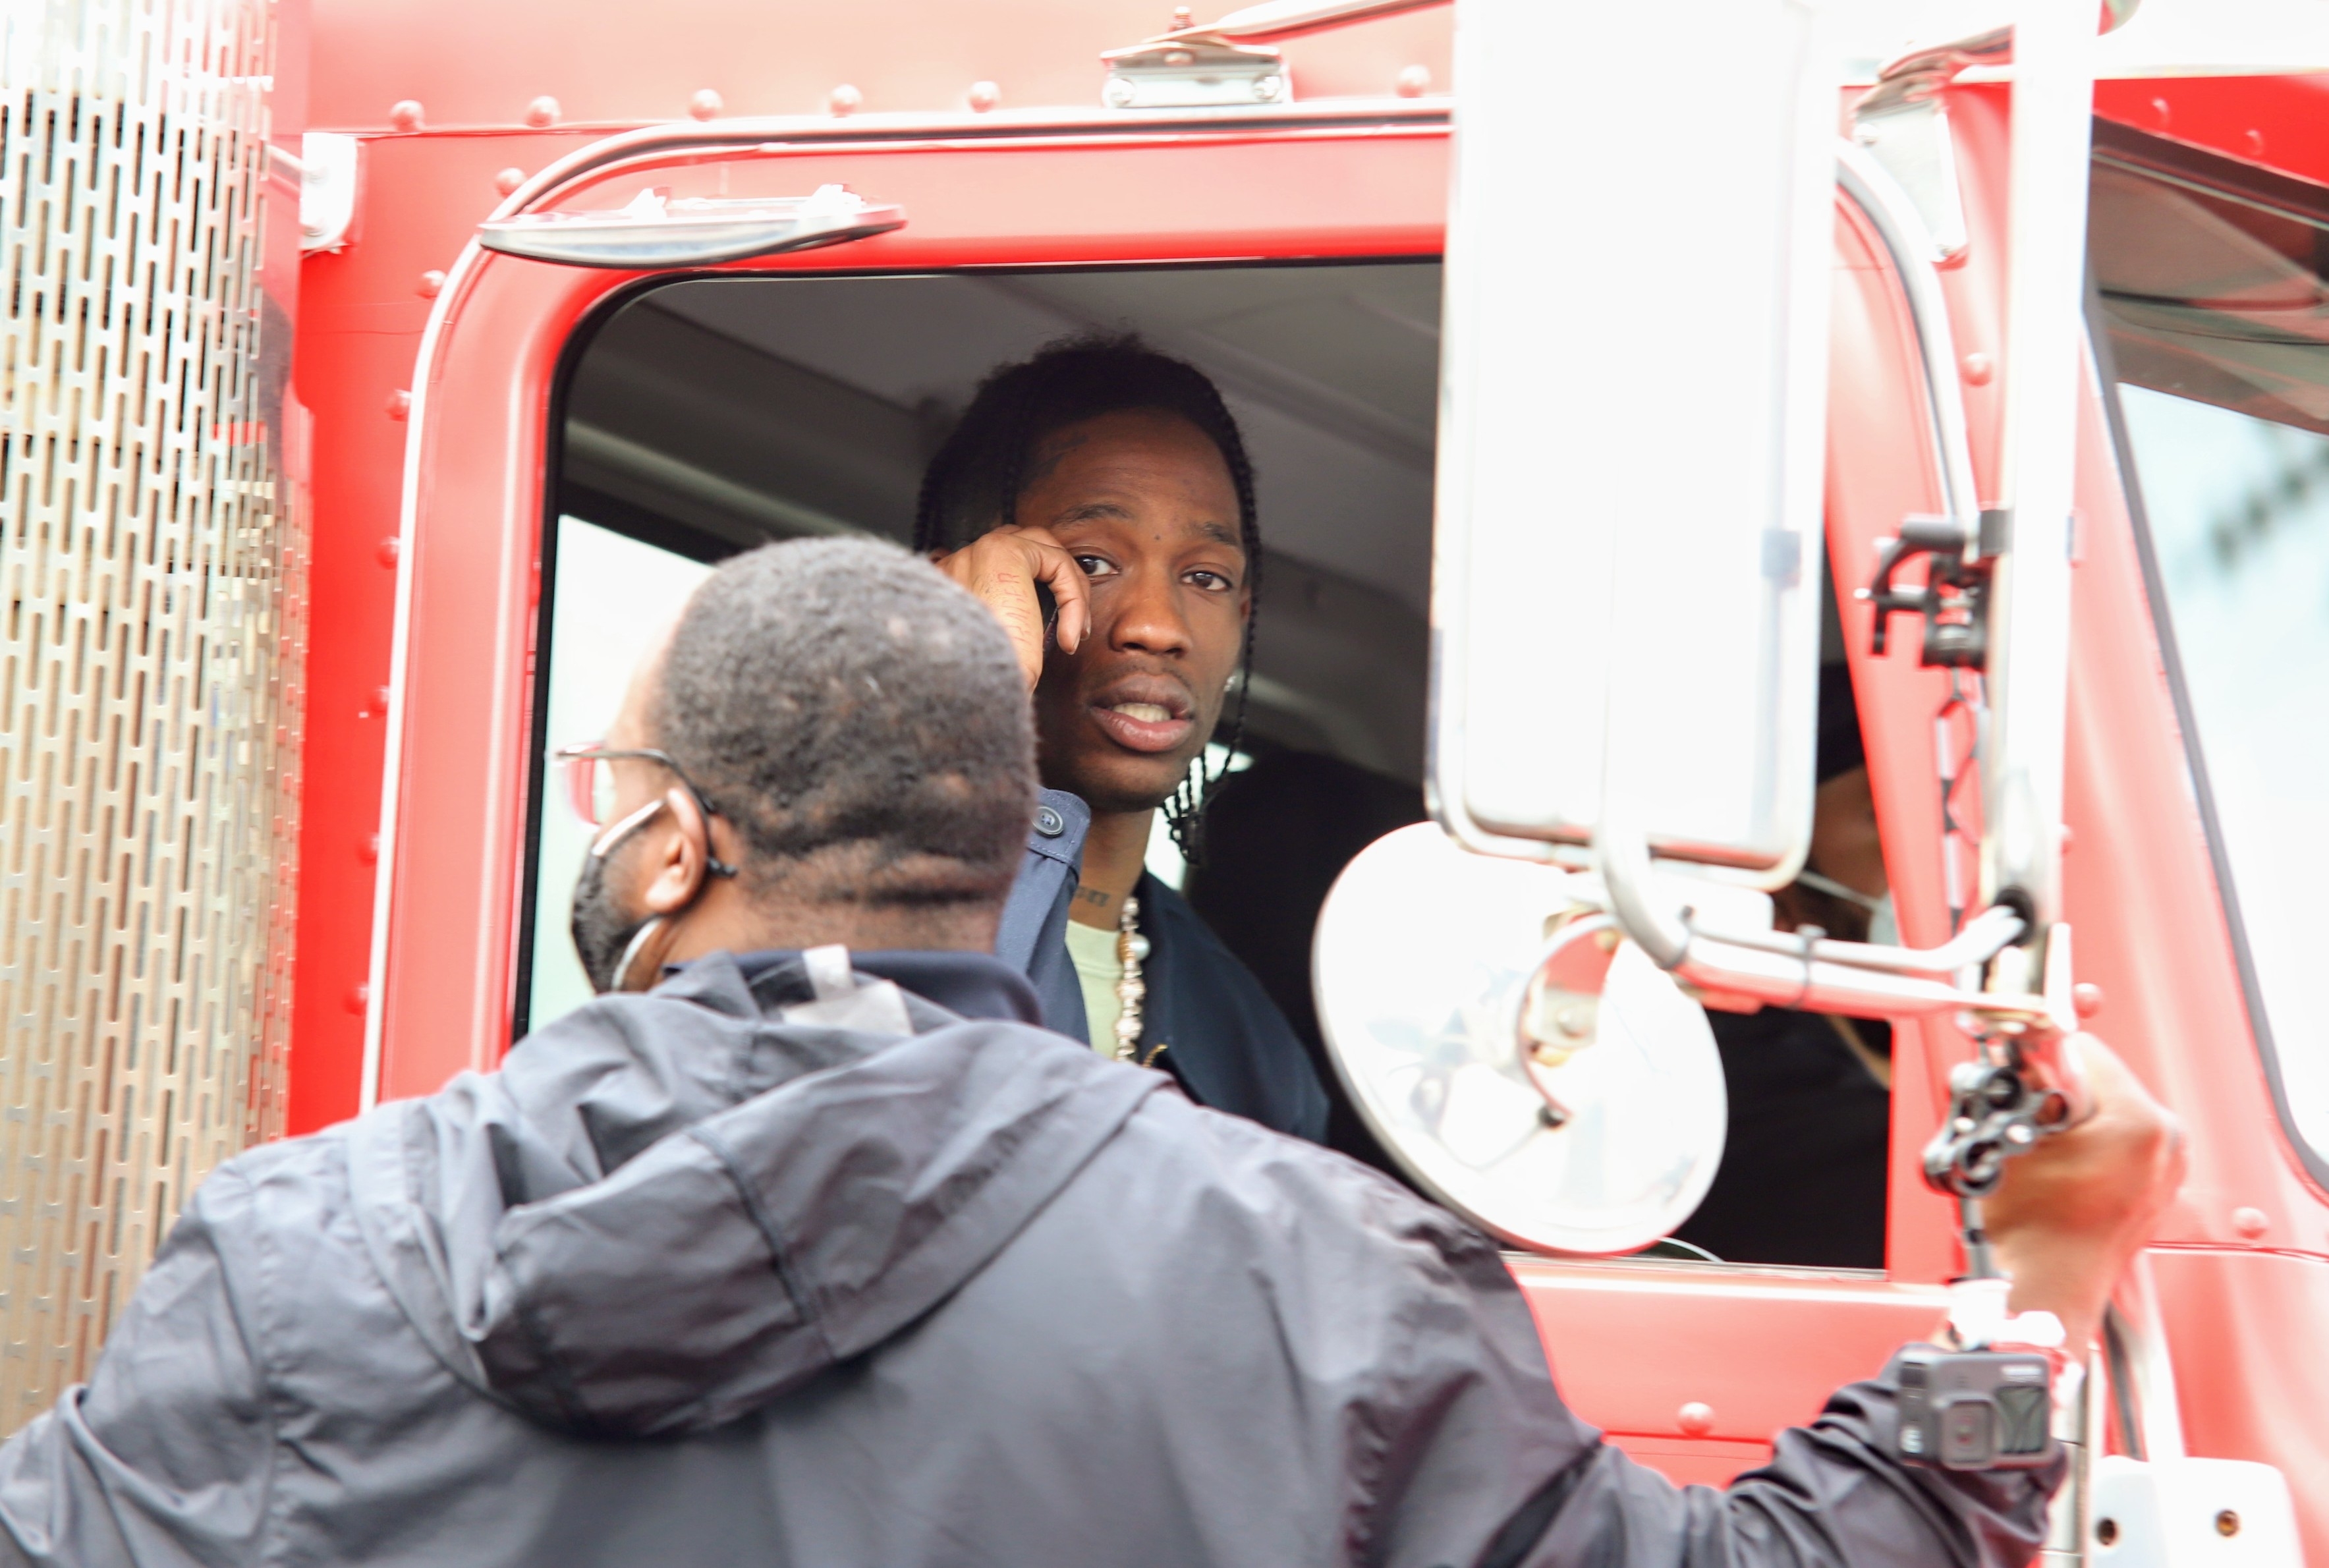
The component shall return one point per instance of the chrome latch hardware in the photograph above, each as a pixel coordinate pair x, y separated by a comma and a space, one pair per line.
1215, 67
1192, 69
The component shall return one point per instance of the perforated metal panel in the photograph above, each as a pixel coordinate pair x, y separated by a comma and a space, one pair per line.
149, 657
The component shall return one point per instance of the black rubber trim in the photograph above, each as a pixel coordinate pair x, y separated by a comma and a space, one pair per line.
537, 719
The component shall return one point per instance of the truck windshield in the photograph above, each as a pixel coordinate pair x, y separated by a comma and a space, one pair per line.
2218, 321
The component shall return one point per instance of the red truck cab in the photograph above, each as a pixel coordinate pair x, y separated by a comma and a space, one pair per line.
511, 465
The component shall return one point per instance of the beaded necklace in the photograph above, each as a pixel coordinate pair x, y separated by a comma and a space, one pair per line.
1131, 989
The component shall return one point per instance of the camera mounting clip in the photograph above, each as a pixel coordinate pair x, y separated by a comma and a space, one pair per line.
1954, 597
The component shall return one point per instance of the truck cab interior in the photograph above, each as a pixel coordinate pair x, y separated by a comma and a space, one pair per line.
703, 417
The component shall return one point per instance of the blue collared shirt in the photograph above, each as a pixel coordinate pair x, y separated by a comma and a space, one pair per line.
1207, 1020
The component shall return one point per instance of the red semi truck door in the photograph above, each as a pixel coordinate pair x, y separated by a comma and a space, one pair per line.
586, 438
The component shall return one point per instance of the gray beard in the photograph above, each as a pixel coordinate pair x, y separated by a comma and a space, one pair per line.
602, 929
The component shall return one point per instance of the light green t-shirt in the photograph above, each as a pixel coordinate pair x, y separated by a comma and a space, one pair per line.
1093, 953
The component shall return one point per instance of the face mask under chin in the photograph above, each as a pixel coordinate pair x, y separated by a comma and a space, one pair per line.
1883, 928
605, 935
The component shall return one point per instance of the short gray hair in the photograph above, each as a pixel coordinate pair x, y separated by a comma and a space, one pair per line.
861, 720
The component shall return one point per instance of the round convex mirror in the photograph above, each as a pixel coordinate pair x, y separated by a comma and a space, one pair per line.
1533, 1071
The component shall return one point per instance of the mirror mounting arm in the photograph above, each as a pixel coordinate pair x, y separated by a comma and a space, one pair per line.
1821, 975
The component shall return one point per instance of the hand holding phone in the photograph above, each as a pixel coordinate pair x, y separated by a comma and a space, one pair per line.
1033, 585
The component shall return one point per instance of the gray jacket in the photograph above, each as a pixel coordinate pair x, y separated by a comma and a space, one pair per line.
689, 1282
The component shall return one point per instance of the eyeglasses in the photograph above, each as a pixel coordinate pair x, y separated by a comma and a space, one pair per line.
591, 787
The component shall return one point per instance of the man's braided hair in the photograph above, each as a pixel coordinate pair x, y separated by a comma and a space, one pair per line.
974, 482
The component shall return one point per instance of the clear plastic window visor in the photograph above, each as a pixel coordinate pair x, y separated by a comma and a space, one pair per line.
707, 417
2218, 323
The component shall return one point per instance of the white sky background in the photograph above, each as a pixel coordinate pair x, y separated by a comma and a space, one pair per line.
2253, 633
612, 596
2164, 35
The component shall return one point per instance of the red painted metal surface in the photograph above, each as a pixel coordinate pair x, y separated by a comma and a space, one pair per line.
2140, 897
1632, 1345
471, 65
2276, 122
472, 544
474, 531
2248, 1353
360, 315
1880, 470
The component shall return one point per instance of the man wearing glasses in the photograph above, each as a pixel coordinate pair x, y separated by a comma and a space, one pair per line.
823, 1251
609, 944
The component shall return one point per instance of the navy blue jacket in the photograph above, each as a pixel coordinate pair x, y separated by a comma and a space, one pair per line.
1207, 1022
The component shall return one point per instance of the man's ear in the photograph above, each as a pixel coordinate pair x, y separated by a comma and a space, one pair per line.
679, 858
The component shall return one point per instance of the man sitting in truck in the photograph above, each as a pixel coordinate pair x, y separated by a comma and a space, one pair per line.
1803, 1175
1113, 479
824, 1253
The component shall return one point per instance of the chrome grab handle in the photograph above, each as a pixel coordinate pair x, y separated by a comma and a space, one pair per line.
656, 231
1900, 229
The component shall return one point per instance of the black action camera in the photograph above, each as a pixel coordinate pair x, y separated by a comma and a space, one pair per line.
1975, 1410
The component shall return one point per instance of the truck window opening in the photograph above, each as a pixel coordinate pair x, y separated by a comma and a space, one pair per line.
708, 416
2214, 295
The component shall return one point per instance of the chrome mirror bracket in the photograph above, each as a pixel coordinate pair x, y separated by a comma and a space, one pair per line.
1910, 139
328, 166
1903, 122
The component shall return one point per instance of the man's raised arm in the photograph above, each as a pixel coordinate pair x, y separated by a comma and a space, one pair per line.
2069, 1217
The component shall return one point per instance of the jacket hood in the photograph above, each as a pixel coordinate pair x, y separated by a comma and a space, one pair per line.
668, 1210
